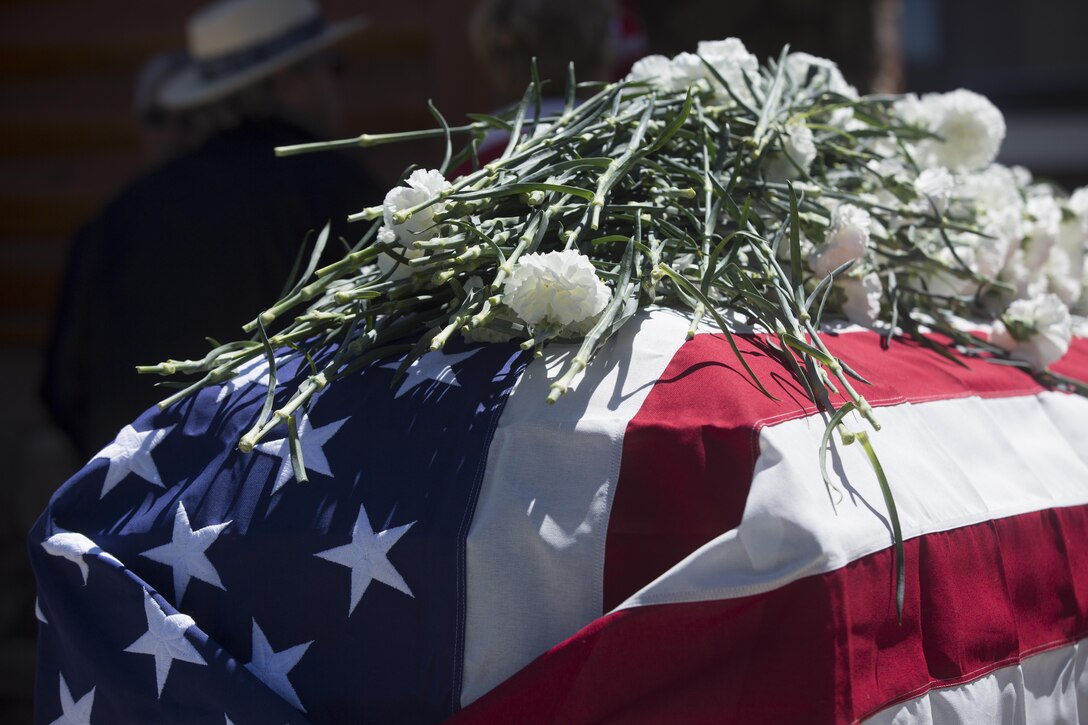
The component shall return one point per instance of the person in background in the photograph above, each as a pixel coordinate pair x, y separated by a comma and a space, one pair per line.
506, 35
205, 241
162, 132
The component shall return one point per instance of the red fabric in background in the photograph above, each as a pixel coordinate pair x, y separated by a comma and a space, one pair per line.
1074, 363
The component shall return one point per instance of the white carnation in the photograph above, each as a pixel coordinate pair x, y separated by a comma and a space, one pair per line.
970, 126
388, 264
386, 235
1073, 234
993, 193
733, 63
1078, 203
421, 186
1036, 331
555, 289
946, 284
847, 239
1064, 279
993, 187
910, 110
1081, 306
825, 72
657, 70
795, 159
890, 167
825, 75
935, 187
1073, 240
862, 305
1022, 176
687, 69
1004, 229
1044, 218
1027, 281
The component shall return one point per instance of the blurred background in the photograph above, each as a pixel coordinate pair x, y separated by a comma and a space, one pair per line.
69, 142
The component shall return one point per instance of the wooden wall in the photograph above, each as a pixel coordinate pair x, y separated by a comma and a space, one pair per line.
67, 141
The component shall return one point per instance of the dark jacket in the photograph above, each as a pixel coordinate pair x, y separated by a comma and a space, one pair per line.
194, 249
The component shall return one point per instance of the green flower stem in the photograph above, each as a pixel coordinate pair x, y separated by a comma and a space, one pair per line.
367, 140
770, 107
893, 514
351, 262
608, 316
439, 340
620, 165
529, 240
369, 214
324, 277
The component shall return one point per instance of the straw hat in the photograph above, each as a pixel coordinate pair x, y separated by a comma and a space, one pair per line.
236, 43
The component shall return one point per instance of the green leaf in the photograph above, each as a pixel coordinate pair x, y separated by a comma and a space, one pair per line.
444, 168
801, 346
515, 189
519, 119
298, 466
572, 89
419, 349
893, 514
473, 229
493, 121
796, 278
692, 291
825, 442
774, 95
534, 76
673, 126
270, 396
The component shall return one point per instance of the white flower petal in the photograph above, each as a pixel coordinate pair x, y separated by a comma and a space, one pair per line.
555, 288
421, 186
847, 239
970, 126
1050, 330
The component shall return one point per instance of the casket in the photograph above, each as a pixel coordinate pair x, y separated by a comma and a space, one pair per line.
657, 546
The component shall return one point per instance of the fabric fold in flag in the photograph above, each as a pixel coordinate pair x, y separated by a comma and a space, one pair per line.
659, 545
254, 572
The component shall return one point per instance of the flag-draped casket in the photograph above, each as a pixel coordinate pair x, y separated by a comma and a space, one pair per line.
658, 546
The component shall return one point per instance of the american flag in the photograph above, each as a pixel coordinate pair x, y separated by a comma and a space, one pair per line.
658, 546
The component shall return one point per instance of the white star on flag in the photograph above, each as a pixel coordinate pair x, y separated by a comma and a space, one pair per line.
256, 373
130, 452
165, 640
271, 668
73, 547
367, 557
432, 367
38, 611
72, 712
185, 553
313, 456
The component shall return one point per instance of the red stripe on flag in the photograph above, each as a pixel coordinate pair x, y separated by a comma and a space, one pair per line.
689, 454
1075, 362
824, 648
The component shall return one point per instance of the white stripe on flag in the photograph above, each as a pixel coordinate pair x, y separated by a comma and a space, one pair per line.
535, 550
949, 463
1051, 688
